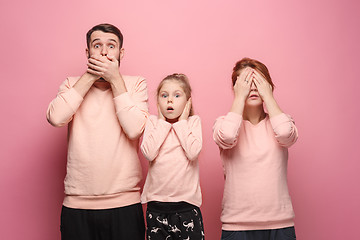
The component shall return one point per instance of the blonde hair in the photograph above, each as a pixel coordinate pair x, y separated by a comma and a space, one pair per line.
185, 85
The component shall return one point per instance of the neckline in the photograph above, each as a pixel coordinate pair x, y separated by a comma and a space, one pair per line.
259, 123
102, 85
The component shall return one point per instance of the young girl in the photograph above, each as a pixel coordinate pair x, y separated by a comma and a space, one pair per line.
172, 142
254, 150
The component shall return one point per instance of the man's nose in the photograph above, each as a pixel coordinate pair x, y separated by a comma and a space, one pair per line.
104, 51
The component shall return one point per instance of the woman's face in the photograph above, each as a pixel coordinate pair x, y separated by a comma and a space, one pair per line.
253, 99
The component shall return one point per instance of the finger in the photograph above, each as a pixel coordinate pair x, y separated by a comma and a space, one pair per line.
111, 58
249, 77
243, 74
95, 57
256, 79
159, 113
260, 77
100, 59
186, 109
95, 62
95, 67
89, 70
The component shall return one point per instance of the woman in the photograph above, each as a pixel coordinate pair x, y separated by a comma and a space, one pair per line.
254, 150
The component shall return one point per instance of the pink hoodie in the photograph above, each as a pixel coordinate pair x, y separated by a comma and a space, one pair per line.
255, 166
103, 169
172, 151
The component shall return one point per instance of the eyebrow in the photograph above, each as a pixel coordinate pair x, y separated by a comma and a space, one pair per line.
111, 40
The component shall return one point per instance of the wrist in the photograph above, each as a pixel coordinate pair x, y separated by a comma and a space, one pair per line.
240, 98
268, 98
90, 78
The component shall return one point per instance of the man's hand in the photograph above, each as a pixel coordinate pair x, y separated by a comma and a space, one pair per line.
106, 67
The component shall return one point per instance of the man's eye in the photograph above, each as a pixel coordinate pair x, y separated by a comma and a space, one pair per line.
97, 46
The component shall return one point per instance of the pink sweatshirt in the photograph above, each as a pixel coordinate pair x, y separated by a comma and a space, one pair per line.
255, 166
172, 150
103, 169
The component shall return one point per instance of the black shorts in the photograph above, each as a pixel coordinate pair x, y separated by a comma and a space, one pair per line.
121, 223
170, 221
270, 234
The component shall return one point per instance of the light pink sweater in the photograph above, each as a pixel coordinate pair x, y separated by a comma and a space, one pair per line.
172, 150
103, 169
255, 166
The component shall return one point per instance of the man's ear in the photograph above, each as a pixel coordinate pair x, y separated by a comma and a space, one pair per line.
122, 51
87, 53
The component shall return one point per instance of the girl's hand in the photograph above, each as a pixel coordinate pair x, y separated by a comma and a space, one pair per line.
160, 115
186, 112
264, 88
243, 84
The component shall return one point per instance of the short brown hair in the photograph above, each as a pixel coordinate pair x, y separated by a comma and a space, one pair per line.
248, 62
185, 84
107, 28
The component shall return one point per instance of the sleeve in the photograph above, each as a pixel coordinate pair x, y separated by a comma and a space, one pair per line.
132, 110
62, 109
156, 131
190, 136
285, 130
226, 130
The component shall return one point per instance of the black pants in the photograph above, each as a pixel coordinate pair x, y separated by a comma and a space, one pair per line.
122, 223
271, 234
170, 221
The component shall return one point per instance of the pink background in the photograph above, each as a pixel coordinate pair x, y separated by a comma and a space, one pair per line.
312, 51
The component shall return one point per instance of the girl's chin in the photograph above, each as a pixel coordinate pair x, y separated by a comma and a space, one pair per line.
172, 120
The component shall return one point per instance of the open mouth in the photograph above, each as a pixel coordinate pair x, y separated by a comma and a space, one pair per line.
253, 96
170, 109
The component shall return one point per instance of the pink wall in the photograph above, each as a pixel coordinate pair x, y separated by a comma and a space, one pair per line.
310, 47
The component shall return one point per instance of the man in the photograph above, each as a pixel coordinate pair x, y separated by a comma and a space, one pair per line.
106, 113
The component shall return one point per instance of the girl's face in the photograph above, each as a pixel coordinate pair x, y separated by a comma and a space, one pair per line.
171, 100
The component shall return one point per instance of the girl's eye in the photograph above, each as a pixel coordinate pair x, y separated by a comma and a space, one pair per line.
177, 95
163, 95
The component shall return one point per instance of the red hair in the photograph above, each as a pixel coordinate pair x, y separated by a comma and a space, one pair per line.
254, 64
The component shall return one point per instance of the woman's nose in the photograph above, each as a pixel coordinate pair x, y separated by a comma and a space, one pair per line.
253, 87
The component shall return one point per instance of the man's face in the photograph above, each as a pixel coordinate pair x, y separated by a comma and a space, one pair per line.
104, 44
